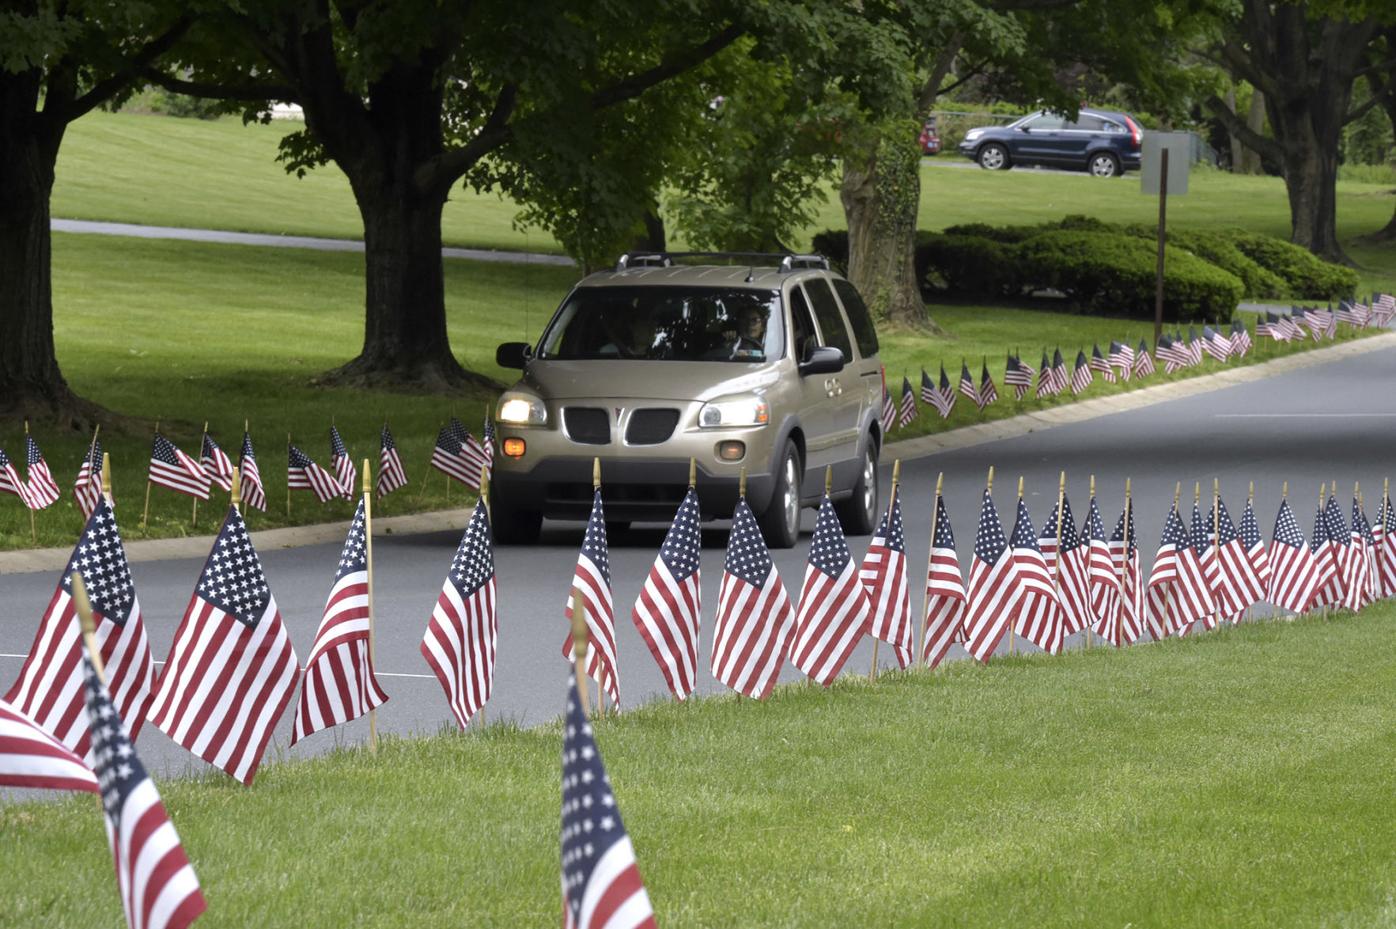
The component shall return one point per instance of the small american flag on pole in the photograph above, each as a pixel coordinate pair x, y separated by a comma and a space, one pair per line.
391, 474
344, 470
1018, 376
30, 757
10, 481
1363, 554
1102, 581
988, 393
158, 887
1216, 345
1059, 376
883, 575
1068, 564
601, 884
49, 687
1081, 378
1039, 614
172, 468
87, 489
304, 474
991, 599
945, 592
446, 455
1293, 571
215, 463
1045, 379
942, 397
1385, 535
1231, 577
1122, 357
1178, 594
339, 684
43, 489
755, 618
889, 411
667, 613
908, 410
253, 493
834, 613
592, 578
1100, 363
1346, 558
478, 461
967, 385
1240, 339
463, 632
1249, 531
1328, 585
1124, 557
1143, 361
232, 669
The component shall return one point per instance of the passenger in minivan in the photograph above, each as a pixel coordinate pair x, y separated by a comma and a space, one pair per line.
748, 339
631, 336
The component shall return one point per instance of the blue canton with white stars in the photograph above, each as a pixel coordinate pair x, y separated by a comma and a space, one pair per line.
945, 537
1287, 527
1360, 524
594, 543
682, 541
1390, 517
247, 447
896, 539
387, 438
1199, 538
298, 458
337, 449
446, 441
473, 565
32, 450
1023, 535
232, 579
118, 769
354, 557
828, 550
747, 557
1174, 532
1095, 526
591, 821
989, 544
1320, 530
1250, 529
456, 430
1333, 523
93, 458
164, 451
102, 562
1119, 534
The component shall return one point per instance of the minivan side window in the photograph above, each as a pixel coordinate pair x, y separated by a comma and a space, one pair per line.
802, 337
826, 310
863, 332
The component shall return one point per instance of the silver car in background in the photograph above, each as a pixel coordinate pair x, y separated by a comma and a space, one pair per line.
768, 366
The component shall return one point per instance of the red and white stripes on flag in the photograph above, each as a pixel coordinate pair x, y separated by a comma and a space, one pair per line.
834, 613
1251, 540
1364, 554
592, 578
1100, 363
30, 757
391, 474
669, 609
463, 632
215, 463
1347, 559
1294, 573
945, 592
157, 884
1102, 580
1385, 534
11, 482
1231, 577
172, 468
1143, 361
344, 470
1124, 557
339, 683
1328, 586
252, 491
1081, 377
1039, 615
1069, 567
883, 575
991, 597
43, 489
1178, 594
87, 489
232, 669
908, 410
755, 618
304, 474
49, 687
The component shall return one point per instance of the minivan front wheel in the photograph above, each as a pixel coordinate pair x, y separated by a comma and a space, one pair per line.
993, 157
858, 513
1104, 164
780, 523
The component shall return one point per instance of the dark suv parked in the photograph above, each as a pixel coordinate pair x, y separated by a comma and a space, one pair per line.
1102, 142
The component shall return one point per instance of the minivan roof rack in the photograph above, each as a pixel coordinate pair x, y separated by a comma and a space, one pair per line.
784, 261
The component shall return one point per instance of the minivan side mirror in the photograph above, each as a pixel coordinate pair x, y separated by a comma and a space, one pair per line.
824, 360
512, 355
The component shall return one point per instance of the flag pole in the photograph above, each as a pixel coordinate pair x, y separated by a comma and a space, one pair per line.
288, 478
145, 513
1089, 643
579, 648
1012, 640
92, 454
1057, 568
1250, 505
106, 478
194, 520
1216, 540
741, 495
484, 499
896, 479
1321, 488
1124, 565
237, 472
596, 488
930, 553
88, 625
368, 566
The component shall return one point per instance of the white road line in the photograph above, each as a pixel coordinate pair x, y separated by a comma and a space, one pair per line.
1304, 415
424, 677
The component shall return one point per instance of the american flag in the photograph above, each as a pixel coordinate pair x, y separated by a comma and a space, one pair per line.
908, 411
1263, 328
668, 612
1178, 594
158, 887
391, 475
1354, 314
446, 456
215, 463
49, 687
87, 489
1294, 574
755, 618
1200, 540
1122, 357
463, 632
344, 470
1316, 320
943, 397
30, 757
1099, 362
252, 492
1173, 355
1070, 572
601, 885
1143, 361
43, 489
1124, 558
1240, 339
232, 669
1226, 562
967, 385
1195, 345
1289, 327
945, 592
834, 612
304, 474
1385, 534
1215, 345
1383, 309
928, 388
1346, 558
889, 410
1039, 614
593, 579
1328, 584
1081, 378
1046, 383
172, 468
1059, 376
11, 482
1249, 531
1102, 580
991, 598
478, 460
988, 393
1363, 554
1015, 376
884, 577
339, 683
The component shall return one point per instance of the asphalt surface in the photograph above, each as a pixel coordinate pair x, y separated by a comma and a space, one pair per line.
1335, 421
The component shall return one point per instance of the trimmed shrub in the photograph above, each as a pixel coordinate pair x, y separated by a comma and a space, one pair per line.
1308, 276
1220, 250
967, 264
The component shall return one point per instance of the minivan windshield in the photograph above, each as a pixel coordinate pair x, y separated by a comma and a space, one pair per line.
668, 323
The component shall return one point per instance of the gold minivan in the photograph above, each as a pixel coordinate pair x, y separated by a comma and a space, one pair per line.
762, 363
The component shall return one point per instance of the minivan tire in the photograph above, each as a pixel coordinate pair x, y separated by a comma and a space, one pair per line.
858, 513
780, 523
514, 525
993, 157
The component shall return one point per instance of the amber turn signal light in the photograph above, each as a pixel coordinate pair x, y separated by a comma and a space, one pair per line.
514, 447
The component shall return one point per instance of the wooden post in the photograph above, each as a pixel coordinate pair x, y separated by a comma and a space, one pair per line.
1124, 567
596, 488
87, 625
1216, 540
930, 555
741, 483
896, 479
579, 648
1162, 238
288, 478
368, 571
1057, 568
145, 514
106, 478
194, 519
1089, 643
828, 479
1012, 635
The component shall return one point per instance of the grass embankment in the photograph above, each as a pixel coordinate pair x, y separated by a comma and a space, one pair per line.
1232, 779
185, 332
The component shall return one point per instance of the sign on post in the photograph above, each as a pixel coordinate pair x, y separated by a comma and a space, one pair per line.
1179, 147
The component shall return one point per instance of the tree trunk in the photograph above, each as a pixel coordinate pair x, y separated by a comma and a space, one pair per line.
1255, 119
1236, 146
881, 192
1311, 127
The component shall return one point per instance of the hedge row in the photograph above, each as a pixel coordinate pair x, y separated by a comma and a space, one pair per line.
1109, 268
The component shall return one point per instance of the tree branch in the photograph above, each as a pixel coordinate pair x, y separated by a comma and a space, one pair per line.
443, 170
939, 68
1361, 110
1237, 127
628, 88
105, 89
221, 91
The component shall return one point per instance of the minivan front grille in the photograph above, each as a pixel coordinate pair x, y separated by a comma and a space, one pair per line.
651, 427
587, 425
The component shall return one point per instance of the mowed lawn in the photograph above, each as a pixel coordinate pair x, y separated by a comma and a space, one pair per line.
1239, 779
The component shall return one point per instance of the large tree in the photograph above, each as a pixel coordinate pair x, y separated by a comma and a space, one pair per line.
58, 61
408, 97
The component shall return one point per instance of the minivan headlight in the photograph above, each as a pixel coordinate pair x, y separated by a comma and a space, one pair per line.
973, 134
734, 411
518, 409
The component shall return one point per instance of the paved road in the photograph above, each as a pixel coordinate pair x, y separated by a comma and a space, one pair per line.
1333, 421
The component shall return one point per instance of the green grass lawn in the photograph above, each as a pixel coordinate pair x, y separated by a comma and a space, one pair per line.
1238, 779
